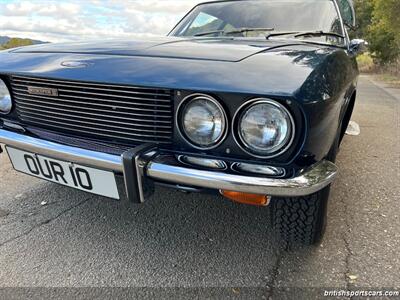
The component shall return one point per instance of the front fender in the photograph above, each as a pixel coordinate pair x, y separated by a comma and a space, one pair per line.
325, 96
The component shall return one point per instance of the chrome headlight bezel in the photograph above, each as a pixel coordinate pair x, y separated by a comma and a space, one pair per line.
6, 100
179, 121
244, 146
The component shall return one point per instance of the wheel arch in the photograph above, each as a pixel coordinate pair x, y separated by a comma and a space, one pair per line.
347, 114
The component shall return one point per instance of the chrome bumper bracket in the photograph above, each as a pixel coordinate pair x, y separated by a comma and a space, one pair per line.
133, 164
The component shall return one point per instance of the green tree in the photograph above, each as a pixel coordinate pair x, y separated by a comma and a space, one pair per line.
17, 42
384, 31
364, 11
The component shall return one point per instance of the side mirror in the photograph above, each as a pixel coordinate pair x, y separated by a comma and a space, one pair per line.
358, 46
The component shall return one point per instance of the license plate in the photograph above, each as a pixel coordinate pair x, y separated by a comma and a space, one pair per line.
83, 178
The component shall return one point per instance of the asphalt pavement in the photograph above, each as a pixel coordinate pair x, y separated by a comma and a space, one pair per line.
53, 236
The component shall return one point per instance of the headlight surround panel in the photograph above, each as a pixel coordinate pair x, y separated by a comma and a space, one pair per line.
5, 98
229, 148
263, 128
202, 121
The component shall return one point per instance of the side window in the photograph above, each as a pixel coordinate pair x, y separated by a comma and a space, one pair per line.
202, 23
347, 11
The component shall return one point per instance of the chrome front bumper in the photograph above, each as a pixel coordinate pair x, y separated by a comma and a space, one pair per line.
165, 168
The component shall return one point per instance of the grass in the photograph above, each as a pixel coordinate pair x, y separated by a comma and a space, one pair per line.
393, 81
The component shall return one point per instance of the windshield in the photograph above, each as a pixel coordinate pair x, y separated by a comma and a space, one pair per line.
265, 16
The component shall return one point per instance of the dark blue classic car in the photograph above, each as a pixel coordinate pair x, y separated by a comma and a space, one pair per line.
250, 99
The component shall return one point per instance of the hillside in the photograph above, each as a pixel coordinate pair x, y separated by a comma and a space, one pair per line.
10, 42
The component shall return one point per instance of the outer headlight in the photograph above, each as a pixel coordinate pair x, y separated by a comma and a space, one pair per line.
202, 121
265, 128
5, 98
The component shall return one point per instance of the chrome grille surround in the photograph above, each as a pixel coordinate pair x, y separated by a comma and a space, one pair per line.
119, 114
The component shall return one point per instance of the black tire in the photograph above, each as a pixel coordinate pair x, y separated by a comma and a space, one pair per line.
300, 220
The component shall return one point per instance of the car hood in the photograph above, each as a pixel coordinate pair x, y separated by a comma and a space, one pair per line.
230, 50
276, 67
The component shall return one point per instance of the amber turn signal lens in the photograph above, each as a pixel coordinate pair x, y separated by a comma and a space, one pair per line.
244, 198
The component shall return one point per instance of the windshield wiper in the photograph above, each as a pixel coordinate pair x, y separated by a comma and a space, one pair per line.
297, 34
318, 33
281, 33
240, 30
208, 32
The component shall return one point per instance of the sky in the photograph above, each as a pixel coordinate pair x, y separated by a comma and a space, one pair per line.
76, 20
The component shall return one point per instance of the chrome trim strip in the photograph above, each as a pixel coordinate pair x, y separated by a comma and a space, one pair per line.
13, 126
66, 153
310, 181
50, 105
96, 94
96, 128
28, 82
162, 168
140, 165
31, 97
182, 160
41, 113
40, 116
130, 139
99, 115
235, 168
143, 101
140, 174
16, 77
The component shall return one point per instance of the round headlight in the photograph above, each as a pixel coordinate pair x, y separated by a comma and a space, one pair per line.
202, 121
265, 128
5, 98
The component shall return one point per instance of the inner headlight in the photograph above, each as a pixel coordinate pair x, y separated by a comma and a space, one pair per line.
265, 128
5, 98
202, 121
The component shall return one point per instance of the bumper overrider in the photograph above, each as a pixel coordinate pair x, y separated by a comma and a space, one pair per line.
146, 162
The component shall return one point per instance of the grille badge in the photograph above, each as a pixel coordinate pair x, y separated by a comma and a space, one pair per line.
42, 91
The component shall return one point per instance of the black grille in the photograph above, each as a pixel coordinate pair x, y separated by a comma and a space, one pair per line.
117, 113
